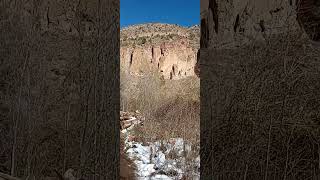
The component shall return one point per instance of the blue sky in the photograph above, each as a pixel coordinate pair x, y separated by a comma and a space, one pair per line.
181, 12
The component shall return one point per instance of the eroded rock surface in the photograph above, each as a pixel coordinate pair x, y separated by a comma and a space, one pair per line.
235, 23
170, 50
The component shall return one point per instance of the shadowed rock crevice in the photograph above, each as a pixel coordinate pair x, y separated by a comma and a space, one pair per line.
213, 7
308, 16
235, 23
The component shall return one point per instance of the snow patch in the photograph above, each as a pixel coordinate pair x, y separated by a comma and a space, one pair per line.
153, 161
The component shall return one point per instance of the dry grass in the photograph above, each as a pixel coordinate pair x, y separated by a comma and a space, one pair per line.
261, 111
176, 118
171, 107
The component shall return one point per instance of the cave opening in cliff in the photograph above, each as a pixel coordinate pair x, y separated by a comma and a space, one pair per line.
152, 52
131, 59
173, 70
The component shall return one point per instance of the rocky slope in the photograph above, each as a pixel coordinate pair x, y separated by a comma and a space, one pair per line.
170, 50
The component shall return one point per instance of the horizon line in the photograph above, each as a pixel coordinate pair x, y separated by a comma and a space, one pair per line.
186, 26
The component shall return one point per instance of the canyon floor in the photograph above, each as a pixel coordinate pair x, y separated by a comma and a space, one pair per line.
175, 158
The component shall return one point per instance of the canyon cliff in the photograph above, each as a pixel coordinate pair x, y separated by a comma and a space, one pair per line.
235, 23
169, 50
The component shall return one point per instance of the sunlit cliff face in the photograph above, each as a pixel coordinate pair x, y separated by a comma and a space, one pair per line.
147, 48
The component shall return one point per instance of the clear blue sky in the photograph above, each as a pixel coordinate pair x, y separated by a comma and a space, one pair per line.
181, 12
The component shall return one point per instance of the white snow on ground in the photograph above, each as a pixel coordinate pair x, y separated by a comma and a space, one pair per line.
153, 159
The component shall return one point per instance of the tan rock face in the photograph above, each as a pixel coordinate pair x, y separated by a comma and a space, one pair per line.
173, 57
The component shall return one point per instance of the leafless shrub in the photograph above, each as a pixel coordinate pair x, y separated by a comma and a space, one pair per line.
171, 109
260, 114
164, 103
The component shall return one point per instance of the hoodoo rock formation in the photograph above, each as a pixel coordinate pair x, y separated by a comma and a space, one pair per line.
170, 50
